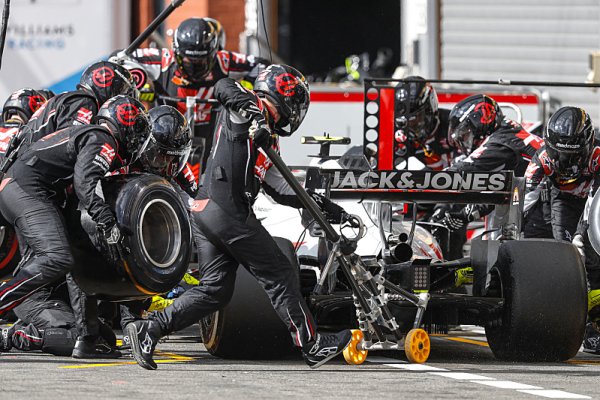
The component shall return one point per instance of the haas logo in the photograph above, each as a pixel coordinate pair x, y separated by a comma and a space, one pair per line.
488, 112
35, 102
286, 84
103, 76
126, 114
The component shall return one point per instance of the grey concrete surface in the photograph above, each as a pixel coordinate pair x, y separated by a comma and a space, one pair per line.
461, 366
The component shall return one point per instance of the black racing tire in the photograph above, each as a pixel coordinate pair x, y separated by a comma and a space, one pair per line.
157, 231
248, 327
9, 250
543, 283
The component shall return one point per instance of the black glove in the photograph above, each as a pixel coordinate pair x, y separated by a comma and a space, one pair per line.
455, 221
114, 242
261, 134
332, 211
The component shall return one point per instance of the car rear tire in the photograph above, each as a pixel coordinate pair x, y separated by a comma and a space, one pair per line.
544, 288
248, 327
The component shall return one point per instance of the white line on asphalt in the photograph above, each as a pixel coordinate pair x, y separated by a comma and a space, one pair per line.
463, 376
507, 385
415, 367
555, 394
479, 379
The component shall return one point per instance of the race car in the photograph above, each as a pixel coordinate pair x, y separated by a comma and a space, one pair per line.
394, 296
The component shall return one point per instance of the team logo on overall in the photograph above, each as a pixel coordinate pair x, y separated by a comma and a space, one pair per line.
103, 76
107, 152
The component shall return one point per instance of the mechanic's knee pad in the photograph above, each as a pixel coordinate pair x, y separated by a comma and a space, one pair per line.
59, 341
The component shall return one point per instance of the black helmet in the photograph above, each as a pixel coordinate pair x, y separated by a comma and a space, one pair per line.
471, 120
106, 79
569, 139
416, 109
24, 102
288, 90
221, 37
195, 44
128, 121
47, 93
167, 148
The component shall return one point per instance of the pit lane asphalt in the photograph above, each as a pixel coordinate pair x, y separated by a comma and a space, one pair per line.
460, 366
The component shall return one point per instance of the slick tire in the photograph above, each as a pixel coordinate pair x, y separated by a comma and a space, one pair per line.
156, 230
543, 284
249, 328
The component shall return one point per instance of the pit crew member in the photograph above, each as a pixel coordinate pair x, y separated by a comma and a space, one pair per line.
193, 67
225, 229
491, 142
32, 191
421, 128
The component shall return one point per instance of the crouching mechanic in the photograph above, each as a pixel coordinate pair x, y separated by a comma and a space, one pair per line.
46, 322
421, 128
490, 143
33, 189
225, 229
561, 176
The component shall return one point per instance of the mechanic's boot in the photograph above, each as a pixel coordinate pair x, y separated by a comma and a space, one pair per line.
143, 335
317, 352
5, 339
125, 342
88, 347
591, 340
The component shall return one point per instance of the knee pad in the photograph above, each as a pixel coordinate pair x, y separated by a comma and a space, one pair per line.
59, 341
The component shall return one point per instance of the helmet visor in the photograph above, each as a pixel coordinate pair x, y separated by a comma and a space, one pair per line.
414, 125
163, 161
568, 164
195, 68
463, 137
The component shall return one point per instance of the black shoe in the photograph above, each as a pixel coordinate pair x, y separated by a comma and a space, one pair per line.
144, 336
6, 339
317, 352
125, 343
86, 348
591, 340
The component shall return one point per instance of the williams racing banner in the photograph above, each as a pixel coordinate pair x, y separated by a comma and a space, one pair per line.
422, 186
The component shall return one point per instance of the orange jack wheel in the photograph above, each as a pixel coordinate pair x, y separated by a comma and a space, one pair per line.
352, 355
417, 346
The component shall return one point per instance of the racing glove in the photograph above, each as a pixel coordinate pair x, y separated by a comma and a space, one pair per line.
114, 242
261, 134
578, 242
332, 211
455, 221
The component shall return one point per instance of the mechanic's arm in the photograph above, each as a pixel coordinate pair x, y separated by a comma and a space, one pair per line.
186, 180
95, 157
276, 186
243, 104
247, 67
536, 183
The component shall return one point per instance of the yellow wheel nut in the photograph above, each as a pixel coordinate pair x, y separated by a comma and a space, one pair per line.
352, 355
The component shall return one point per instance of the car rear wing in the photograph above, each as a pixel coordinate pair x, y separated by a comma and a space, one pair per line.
501, 189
